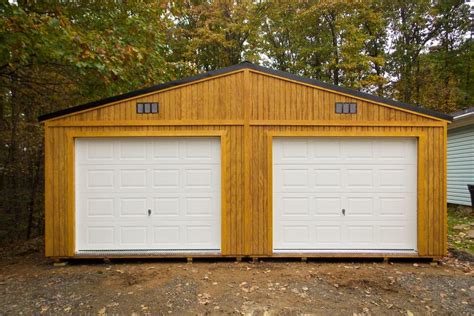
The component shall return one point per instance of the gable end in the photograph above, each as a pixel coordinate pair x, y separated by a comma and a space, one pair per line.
257, 68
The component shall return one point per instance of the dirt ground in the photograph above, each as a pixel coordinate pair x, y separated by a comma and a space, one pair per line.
31, 284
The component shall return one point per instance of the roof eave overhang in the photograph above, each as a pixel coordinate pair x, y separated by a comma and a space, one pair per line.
463, 116
462, 120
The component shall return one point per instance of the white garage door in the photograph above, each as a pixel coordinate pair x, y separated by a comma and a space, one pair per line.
148, 194
344, 194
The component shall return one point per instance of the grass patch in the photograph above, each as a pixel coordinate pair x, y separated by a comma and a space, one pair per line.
460, 219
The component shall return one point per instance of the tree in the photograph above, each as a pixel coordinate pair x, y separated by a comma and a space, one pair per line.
374, 21
281, 36
442, 64
331, 41
210, 35
413, 26
55, 56
426, 38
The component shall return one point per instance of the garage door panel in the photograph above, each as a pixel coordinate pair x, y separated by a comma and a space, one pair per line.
166, 178
135, 178
295, 235
397, 151
132, 150
100, 235
327, 178
359, 178
177, 179
394, 178
99, 179
295, 205
187, 177
327, 150
339, 151
327, 206
393, 151
327, 236
292, 152
200, 149
167, 236
166, 206
363, 206
202, 178
166, 150
358, 150
133, 236
393, 235
394, 205
99, 207
199, 206
372, 179
98, 151
133, 207
331, 177
201, 236
197, 150
291, 178
359, 235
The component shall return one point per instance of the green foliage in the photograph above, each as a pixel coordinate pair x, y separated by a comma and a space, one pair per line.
210, 35
426, 35
56, 54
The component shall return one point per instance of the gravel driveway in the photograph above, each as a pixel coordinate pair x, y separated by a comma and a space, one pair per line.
31, 284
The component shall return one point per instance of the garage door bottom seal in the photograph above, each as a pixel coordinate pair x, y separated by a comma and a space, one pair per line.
147, 252
316, 251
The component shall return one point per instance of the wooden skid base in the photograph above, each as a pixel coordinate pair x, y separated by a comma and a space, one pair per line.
303, 257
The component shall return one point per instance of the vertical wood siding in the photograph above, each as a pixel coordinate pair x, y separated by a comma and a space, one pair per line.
220, 98
247, 105
279, 99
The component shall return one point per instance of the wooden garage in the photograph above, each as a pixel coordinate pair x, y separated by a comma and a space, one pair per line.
245, 161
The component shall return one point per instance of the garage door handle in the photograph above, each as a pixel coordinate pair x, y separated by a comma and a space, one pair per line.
344, 212
149, 212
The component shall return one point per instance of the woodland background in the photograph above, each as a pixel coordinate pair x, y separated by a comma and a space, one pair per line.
57, 54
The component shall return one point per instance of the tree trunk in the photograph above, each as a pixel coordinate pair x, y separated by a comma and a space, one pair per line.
33, 191
332, 26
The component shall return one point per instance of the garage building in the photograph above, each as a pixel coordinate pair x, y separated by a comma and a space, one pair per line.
245, 161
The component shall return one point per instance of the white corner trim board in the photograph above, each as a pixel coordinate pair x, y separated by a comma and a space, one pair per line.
344, 194
158, 194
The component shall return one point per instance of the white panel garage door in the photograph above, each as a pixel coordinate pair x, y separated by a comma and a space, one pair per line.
344, 194
158, 194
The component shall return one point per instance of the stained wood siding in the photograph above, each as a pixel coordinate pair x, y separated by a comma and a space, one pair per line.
218, 98
247, 105
279, 99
